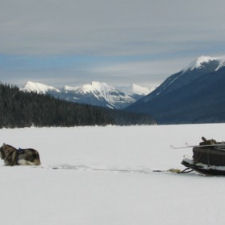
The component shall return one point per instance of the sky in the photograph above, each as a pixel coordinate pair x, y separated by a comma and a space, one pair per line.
119, 42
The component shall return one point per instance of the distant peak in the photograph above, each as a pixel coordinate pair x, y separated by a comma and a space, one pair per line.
69, 88
96, 86
198, 63
38, 87
203, 59
140, 90
101, 92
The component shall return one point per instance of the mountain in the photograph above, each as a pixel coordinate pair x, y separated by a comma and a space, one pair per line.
100, 94
22, 109
139, 92
39, 88
95, 93
196, 94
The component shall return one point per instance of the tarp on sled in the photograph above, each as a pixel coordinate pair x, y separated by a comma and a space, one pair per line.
210, 155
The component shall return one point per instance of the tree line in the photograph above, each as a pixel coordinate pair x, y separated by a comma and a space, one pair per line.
23, 109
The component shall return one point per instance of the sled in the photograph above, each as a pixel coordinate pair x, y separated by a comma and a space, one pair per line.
204, 168
207, 159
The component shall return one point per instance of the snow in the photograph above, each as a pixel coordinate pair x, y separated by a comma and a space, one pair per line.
70, 88
97, 86
99, 90
197, 63
38, 87
221, 64
104, 91
104, 175
140, 90
94, 86
202, 59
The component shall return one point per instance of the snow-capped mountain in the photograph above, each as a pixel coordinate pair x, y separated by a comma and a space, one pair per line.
39, 88
195, 94
95, 93
204, 61
138, 92
200, 66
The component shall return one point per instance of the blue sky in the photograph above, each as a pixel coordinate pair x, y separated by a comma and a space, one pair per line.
119, 42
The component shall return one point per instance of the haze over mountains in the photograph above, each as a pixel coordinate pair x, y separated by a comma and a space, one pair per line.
196, 94
95, 93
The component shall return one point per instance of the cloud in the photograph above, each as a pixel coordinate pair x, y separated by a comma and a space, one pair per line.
118, 41
118, 27
142, 71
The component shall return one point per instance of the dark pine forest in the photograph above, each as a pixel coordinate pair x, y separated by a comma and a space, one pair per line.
22, 109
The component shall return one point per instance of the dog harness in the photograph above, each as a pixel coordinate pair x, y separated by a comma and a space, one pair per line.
20, 150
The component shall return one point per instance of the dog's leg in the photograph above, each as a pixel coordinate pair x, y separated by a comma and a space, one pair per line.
14, 158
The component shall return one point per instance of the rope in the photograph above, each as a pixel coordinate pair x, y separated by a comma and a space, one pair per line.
186, 170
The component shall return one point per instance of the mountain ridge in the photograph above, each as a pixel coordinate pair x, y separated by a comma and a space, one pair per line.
26, 109
193, 95
95, 93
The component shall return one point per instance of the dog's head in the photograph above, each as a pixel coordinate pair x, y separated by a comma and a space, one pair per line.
2, 151
5, 150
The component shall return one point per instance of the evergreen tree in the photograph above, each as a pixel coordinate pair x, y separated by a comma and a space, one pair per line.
22, 109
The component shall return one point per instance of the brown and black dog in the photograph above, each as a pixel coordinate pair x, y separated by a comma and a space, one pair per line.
208, 141
13, 156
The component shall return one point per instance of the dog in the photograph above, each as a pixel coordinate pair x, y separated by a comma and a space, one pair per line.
13, 156
208, 141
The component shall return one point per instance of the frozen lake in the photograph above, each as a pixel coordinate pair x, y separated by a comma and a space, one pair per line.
104, 176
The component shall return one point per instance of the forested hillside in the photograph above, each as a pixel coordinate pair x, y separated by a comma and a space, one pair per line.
19, 109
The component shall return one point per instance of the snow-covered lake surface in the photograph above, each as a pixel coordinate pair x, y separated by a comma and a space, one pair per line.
104, 176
